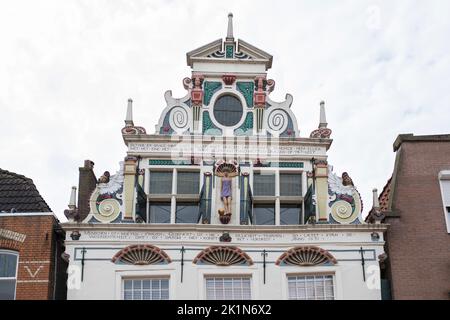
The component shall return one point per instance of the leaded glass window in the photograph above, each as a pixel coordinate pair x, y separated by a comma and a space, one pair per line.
160, 212
186, 212
263, 184
146, 289
290, 184
8, 275
311, 287
290, 213
188, 182
160, 182
264, 214
228, 288
228, 110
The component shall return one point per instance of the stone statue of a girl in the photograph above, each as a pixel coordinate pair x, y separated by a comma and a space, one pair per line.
225, 193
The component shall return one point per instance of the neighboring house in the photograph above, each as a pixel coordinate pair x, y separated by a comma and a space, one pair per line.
226, 200
415, 203
31, 243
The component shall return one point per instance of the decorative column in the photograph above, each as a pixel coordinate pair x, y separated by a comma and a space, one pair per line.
260, 103
304, 183
147, 191
304, 190
321, 175
277, 198
263, 88
128, 186
245, 203
207, 185
196, 97
173, 202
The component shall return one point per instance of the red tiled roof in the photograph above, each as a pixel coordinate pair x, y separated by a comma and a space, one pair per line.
384, 196
18, 193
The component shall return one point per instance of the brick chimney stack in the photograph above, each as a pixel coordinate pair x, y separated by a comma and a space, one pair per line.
86, 185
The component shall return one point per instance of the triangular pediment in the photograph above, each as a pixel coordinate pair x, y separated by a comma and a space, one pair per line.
215, 51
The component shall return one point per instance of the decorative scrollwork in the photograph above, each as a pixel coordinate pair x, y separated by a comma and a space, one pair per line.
232, 167
270, 85
341, 209
141, 254
223, 256
344, 199
187, 83
108, 208
306, 256
133, 130
277, 120
322, 133
179, 119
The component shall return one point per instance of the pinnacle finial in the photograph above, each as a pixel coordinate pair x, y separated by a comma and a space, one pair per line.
129, 116
323, 119
376, 203
230, 27
73, 195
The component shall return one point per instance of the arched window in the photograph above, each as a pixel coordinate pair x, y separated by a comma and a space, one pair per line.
8, 274
228, 110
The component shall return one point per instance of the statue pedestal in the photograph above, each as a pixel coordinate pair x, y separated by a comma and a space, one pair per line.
225, 219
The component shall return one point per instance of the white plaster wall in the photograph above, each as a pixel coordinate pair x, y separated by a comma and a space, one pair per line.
231, 66
103, 279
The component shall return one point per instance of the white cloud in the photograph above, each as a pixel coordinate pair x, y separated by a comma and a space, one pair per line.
67, 69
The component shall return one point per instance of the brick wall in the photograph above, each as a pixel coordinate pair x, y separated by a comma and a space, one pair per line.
36, 270
417, 242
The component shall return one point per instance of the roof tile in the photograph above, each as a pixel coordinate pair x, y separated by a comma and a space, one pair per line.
19, 192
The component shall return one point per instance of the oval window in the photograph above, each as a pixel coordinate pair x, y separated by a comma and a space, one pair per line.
228, 110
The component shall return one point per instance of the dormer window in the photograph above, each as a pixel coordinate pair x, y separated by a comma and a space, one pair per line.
228, 110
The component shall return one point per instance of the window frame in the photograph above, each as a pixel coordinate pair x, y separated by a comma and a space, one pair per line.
160, 195
198, 186
298, 206
151, 271
290, 172
142, 279
181, 202
248, 277
234, 271
159, 203
17, 255
263, 203
259, 172
279, 200
173, 198
226, 107
444, 176
333, 279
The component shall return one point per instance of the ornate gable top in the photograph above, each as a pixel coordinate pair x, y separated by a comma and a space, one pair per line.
229, 50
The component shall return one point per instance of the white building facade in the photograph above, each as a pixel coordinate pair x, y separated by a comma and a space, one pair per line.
160, 228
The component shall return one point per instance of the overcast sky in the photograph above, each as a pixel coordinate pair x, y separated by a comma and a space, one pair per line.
67, 69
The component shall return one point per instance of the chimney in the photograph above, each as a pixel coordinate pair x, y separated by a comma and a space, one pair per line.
86, 185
